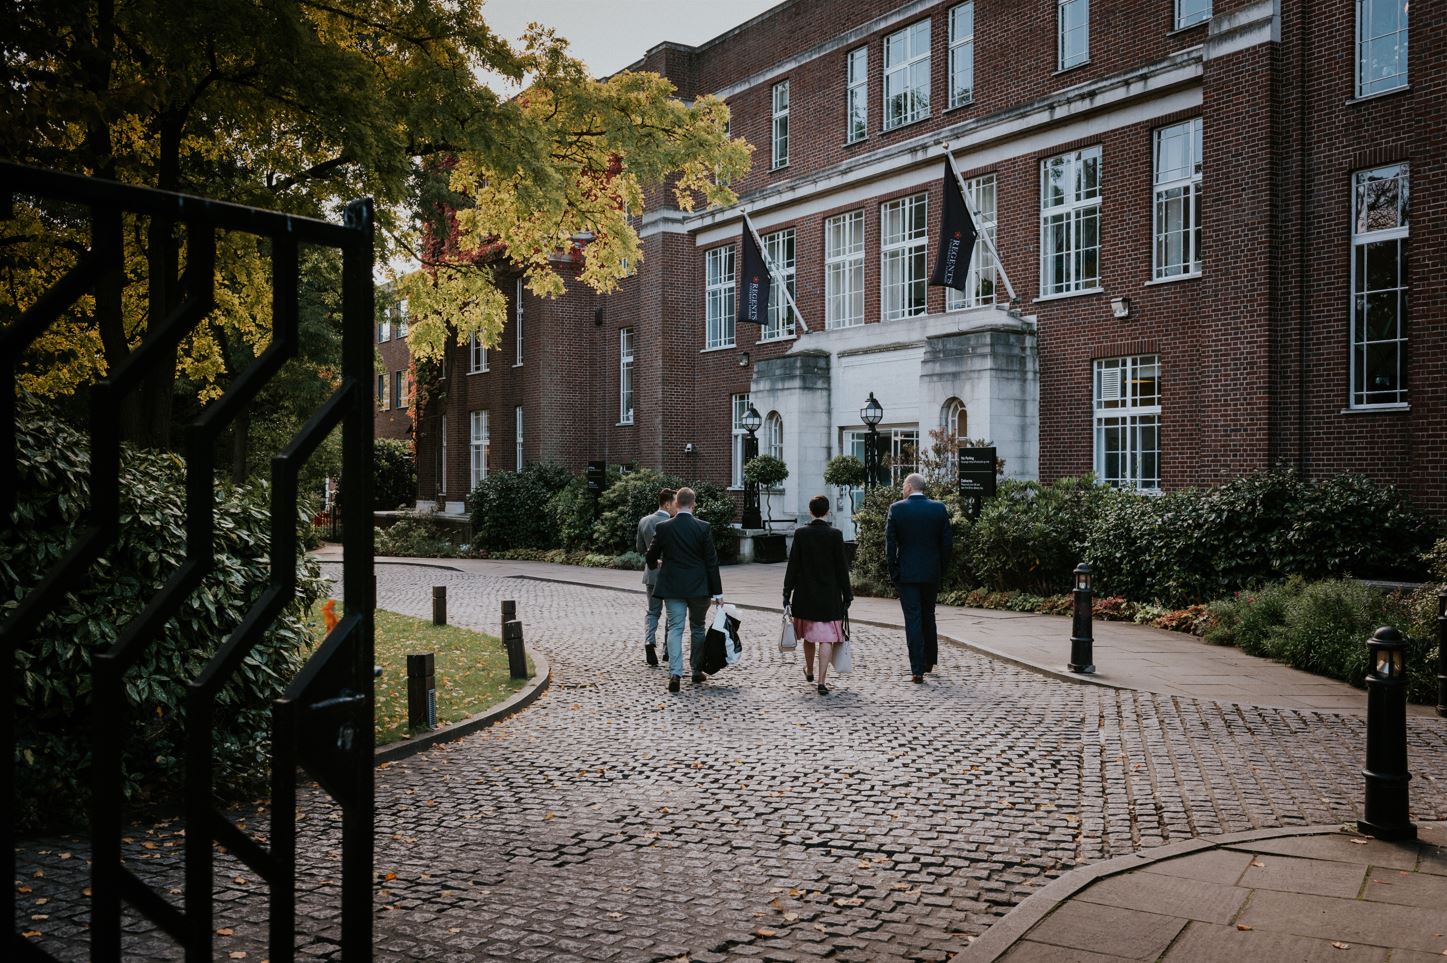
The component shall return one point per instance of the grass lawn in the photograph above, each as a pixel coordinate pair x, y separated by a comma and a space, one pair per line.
472, 674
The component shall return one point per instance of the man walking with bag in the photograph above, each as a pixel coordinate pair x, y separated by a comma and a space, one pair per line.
689, 577
917, 550
647, 525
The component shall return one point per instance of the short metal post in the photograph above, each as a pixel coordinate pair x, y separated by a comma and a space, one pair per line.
1082, 638
439, 605
1385, 813
512, 640
509, 611
1442, 652
421, 691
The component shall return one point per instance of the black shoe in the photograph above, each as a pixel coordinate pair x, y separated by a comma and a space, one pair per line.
650, 652
698, 678
808, 677
919, 679
823, 689
673, 681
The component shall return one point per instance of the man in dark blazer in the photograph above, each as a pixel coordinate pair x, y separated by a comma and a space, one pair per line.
917, 550
687, 580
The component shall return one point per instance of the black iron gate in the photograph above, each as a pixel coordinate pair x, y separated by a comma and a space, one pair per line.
323, 723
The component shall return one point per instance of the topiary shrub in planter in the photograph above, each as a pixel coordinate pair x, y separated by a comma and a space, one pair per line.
53, 705
768, 473
847, 473
509, 509
394, 481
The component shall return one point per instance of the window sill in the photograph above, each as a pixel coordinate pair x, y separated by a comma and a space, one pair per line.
474, 371
858, 140
1196, 276
1067, 294
722, 347
779, 167
1400, 407
624, 424
1066, 70
903, 317
908, 123
967, 102
1405, 88
782, 337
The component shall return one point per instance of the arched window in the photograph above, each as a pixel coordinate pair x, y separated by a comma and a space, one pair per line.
954, 419
774, 435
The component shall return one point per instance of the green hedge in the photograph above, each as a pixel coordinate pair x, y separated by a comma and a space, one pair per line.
395, 475
53, 705
636, 494
1170, 550
510, 509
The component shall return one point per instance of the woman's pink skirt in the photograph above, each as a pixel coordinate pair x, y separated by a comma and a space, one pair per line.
818, 631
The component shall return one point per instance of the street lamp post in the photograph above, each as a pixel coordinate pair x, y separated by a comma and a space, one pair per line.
1082, 638
872, 414
1385, 814
751, 517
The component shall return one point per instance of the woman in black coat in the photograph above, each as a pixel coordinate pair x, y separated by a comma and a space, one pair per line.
816, 589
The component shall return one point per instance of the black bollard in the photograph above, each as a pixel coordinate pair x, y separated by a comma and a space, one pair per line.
1082, 638
421, 691
439, 605
512, 640
1385, 814
1442, 652
509, 611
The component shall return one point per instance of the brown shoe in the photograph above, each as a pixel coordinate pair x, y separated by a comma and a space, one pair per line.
698, 678
918, 680
673, 682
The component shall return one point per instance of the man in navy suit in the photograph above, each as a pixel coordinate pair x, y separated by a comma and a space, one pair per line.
917, 550
689, 577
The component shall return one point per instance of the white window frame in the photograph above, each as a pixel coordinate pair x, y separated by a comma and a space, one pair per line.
983, 194
844, 270
1191, 12
518, 321
476, 353
951, 414
1176, 207
902, 441
779, 248
442, 456
779, 125
384, 328
1068, 28
907, 75
517, 425
402, 318
856, 105
399, 399
773, 441
1079, 212
962, 54
1366, 86
1123, 404
739, 404
903, 271
1371, 230
480, 446
625, 376
382, 392
719, 306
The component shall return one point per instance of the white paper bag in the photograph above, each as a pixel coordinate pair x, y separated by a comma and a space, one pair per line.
787, 641
842, 660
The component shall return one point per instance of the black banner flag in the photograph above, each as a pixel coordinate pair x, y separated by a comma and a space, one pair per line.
957, 238
754, 283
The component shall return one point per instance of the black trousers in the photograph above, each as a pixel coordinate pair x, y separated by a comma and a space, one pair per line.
917, 599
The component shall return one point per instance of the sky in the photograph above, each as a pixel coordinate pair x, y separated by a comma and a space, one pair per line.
608, 35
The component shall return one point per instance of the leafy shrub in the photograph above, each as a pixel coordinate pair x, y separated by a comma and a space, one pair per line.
1190, 545
1195, 619
1435, 559
846, 472
414, 537
636, 494
394, 481
1030, 536
1246, 619
53, 705
870, 572
629, 560
766, 471
509, 509
573, 511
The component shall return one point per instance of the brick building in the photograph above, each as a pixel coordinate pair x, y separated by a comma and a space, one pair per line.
1202, 205
394, 375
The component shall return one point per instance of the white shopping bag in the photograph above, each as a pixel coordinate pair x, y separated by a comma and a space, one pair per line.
787, 640
842, 660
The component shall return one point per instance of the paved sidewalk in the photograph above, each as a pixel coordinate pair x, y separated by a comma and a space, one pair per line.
1126, 656
1312, 893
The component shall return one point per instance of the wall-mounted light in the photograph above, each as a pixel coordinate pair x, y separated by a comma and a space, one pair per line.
743, 359
1120, 307
688, 449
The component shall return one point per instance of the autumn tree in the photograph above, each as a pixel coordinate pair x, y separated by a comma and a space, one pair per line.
299, 105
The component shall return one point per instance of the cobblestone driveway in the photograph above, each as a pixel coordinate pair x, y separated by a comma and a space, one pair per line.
751, 818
